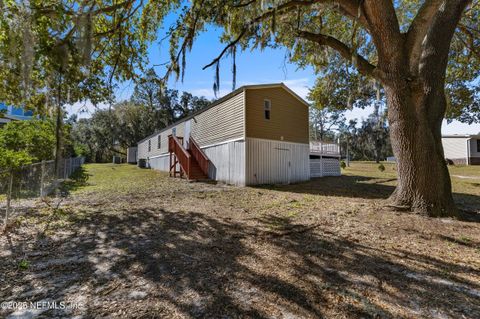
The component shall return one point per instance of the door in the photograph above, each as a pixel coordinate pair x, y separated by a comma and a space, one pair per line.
186, 138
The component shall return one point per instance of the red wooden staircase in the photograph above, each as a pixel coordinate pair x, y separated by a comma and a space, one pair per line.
191, 162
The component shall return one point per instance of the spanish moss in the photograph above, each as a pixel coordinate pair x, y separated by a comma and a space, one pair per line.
216, 80
234, 67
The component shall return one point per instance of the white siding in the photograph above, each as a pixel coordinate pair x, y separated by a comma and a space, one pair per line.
160, 163
155, 151
454, 147
227, 162
276, 162
320, 167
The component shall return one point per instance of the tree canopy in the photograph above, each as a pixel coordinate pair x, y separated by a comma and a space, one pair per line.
335, 38
60, 52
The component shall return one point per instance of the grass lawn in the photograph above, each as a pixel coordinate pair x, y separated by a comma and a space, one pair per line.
133, 243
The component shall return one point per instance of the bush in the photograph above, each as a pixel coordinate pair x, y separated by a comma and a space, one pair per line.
381, 168
342, 164
449, 161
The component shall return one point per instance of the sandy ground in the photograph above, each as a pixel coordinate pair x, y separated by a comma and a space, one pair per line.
171, 249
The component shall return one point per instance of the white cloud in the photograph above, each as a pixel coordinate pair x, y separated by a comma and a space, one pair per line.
84, 109
208, 93
300, 86
457, 127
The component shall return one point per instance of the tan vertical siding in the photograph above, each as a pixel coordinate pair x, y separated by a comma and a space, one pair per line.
288, 116
221, 123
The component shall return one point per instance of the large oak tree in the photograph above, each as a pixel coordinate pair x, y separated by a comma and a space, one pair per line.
421, 56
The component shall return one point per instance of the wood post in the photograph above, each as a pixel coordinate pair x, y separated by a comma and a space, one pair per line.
9, 199
42, 180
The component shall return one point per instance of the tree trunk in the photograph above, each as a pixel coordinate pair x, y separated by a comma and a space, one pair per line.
415, 116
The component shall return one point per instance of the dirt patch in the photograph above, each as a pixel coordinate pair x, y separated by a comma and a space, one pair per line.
327, 248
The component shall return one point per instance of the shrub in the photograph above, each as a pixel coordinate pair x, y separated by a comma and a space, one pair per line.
23, 264
381, 168
449, 161
342, 164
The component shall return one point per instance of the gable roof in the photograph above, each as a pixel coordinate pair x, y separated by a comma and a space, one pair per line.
225, 98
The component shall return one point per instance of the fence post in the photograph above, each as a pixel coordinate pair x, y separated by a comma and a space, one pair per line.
42, 178
9, 199
321, 166
65, 169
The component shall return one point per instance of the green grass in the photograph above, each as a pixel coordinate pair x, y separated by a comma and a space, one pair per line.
117, 178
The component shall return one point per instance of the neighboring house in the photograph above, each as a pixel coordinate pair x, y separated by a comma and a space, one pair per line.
11, 113
132, 153
257, 134
462, 149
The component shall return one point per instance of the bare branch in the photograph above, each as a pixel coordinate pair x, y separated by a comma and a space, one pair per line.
344, 6
231, 44
362, 64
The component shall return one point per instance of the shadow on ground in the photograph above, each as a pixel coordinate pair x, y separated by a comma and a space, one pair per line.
153, 263
353, 186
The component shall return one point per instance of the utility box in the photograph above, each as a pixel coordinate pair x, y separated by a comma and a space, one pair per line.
142, 163
117, 160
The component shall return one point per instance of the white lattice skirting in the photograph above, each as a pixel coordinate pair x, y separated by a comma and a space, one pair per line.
320, 167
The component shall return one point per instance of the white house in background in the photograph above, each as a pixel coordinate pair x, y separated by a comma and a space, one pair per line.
257, 134
462, 149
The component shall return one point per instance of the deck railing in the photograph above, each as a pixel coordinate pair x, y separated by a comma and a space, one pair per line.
199, 155
324, 148
176, 146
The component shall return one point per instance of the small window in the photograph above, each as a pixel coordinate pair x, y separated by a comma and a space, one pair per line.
159, 142
478, 145
267, 106
149, 145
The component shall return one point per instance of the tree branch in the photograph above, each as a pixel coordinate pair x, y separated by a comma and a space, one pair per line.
362, 64
418, 30
385, 32
231, 44
348, 7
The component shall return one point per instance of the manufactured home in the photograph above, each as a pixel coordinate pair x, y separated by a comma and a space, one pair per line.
257, 134
462, 149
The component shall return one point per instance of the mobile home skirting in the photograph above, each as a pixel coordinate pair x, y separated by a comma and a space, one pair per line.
227, 162
276, 162
320, 167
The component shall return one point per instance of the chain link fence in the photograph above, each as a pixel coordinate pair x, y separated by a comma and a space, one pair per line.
34, 181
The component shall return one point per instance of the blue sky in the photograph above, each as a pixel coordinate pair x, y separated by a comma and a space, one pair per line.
253, 67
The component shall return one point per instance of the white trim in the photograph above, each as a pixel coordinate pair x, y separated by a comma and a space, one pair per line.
244, 114
467, 161
245, 155
224, 142
161, 155
206, 146
287, 142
